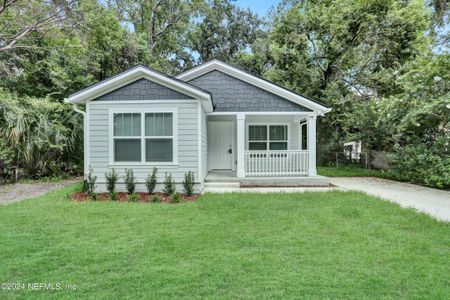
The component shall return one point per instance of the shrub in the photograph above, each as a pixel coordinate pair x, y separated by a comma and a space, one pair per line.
133, 197
130, 181
113, 196
93, 196
176, 198
424, 164
111, 180
42, 137
188, 183
169, 185
156, 199
150, 182
90, 182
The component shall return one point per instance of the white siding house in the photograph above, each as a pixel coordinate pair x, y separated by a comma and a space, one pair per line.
214, 120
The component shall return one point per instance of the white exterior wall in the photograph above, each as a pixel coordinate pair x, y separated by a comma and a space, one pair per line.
187, 140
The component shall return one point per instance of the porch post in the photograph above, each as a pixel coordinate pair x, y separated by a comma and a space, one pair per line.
312, 145
240, 147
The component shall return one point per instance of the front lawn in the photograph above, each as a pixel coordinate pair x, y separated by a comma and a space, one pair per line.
349, 171
312, 245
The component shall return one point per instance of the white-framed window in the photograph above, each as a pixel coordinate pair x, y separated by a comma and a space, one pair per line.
268, 137
143, 137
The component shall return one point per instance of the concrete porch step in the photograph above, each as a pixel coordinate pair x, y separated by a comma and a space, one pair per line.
220, 185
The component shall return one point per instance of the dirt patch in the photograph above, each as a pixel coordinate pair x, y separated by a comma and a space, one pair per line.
141, 197
19, 191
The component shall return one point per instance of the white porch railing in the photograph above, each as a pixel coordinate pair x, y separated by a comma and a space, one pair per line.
276, 163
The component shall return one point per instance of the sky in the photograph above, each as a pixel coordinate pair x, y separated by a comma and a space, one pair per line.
261, 7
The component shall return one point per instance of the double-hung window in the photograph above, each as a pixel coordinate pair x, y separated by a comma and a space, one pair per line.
145, 137
267, 137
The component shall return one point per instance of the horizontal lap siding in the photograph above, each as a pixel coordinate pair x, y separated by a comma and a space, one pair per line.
187, 144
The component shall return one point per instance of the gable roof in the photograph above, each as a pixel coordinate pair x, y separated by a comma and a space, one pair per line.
133, 74
243, 75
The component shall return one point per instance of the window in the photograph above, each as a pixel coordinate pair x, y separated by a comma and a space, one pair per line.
158, 137
127, 137
267, 137
143, 137
304, 136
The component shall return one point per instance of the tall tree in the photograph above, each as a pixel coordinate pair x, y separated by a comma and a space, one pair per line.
346, 52
21, 21
223, 31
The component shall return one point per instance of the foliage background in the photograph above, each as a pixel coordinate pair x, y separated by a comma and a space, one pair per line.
381, 65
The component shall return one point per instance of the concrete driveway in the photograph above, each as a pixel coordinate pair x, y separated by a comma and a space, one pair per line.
433, 202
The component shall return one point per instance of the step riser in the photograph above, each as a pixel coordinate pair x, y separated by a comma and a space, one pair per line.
222, 185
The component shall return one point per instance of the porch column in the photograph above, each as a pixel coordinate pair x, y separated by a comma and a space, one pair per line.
312, 145
240, 147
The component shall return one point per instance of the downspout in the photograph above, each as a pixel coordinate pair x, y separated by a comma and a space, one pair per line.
75, 108
85, 137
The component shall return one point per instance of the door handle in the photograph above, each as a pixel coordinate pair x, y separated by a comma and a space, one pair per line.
230, 151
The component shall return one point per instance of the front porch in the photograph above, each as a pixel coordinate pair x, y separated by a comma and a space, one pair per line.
262, 145
228, 178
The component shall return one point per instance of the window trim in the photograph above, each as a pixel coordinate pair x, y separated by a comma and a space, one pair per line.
143, 137
267, 124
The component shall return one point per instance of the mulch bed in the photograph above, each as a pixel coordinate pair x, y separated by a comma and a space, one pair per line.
142, 197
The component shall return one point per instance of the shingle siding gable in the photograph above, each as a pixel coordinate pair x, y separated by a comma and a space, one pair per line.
143, 89
232, 94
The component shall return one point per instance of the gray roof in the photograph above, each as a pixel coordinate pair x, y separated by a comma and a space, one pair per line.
233, 94
143, 89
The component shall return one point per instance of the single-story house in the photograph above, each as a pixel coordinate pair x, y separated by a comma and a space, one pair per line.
216, 120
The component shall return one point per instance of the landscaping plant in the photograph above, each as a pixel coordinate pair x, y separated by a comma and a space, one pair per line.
111, 180
90, 182
169, 185
130, 181
188, 183
94, 196
133, 197
113, 196
156, 199
150, 182
176, 198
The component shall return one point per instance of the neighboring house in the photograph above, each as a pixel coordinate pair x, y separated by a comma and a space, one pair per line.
215, 120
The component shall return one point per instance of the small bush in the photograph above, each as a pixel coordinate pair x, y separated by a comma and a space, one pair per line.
169, 185
111, 180
133, 197
156, 199
113, 196
90, 182
188, 183
176, 198
150, 182
130, 181
93, 196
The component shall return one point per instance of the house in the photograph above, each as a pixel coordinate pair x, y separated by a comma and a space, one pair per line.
216, 120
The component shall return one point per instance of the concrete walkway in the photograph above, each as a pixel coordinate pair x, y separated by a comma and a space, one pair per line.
19, 191
433, 202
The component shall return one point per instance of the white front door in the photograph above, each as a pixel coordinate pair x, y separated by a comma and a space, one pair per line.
220, 145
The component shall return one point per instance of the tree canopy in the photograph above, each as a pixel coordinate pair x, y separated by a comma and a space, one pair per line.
381, 65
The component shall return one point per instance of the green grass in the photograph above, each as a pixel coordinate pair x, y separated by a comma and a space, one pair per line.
348, 171
311, 245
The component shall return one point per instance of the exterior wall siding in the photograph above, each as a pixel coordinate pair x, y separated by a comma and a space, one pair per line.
232, 94
187, 145
142, 89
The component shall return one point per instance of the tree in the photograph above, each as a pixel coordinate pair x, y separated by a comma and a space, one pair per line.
21, 21
346, 53
223, 31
